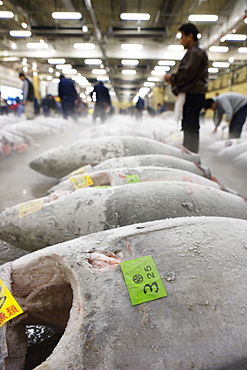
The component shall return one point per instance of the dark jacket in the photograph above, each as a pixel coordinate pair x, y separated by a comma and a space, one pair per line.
66, 89
192, 74
102, 94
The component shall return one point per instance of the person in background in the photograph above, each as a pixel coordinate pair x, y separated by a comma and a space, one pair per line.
160, 108
234, 106
68, 94
3, 106
101, 96
190, 85
46, 106
28, 96
139, 108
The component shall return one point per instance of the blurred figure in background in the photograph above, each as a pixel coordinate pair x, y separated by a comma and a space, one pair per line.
101, 96
139, 108
234, 106
160, 108
68, 95
28, 96
189, 84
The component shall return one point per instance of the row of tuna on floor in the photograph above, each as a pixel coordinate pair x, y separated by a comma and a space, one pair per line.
118, 199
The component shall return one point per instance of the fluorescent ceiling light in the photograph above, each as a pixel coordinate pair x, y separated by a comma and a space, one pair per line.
219, 49
135, 16
20, 33
162, 68
220, 64
213, 70
202, 18
99, 71
242, 50
93, 61
233, 37
131, 46
231, 60
153, 79
37, 45
158, 73
166, 62
66, 15
84, 45
128, 71
63, 66
176, 47
56, 61
69, 71
24, 25
6, 14
55, 80
130, 62
102, 78
149, 84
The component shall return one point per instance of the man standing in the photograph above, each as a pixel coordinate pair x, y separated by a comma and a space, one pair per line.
190, 83
28, 96
234, 106
68, 94
140, 105
101, 96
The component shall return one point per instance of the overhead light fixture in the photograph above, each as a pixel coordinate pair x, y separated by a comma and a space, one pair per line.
69, 71
93, 61
20, 33
158, 73
56, 80
13, 45
84, 28
66, 15
63, 66
99, 71
102, 78
35, 73
153, 79
24, 25
6, 14
166, 62
37, 45
231, 60
203, 18
135, 16
176, 47
242, 50
50, 70
84, 45
57, 74
162, 68
149, 84
213, 70
221, 64
56, 61
233, 37
131, 46
219, 49
130, 62
128, 71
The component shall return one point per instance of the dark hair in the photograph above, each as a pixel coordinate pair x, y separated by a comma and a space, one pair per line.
21, 75
189, 28
208, 103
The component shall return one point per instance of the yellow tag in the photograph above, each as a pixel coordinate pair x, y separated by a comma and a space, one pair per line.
27, 208
9, 308
81, 181
79, 171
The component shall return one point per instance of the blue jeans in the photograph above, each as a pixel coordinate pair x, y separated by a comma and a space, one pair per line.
237, 122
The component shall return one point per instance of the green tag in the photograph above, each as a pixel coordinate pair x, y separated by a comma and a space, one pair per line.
142, 280
132, 178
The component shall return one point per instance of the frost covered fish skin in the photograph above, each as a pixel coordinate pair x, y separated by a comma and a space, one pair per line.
62, 160
122, 176
90, 210
157, 160
202, 323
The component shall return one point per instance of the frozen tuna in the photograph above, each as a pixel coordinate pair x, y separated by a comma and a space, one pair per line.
78, 288
37, 224
124, 176
62, 160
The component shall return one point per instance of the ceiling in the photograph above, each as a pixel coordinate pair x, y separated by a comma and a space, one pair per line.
107, 31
